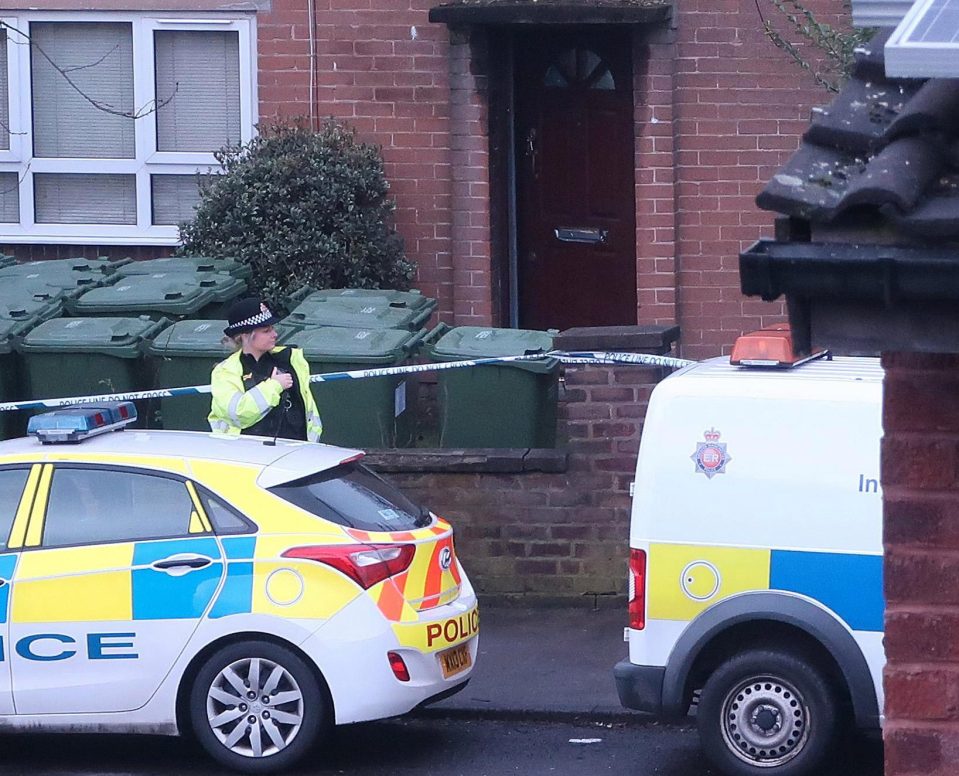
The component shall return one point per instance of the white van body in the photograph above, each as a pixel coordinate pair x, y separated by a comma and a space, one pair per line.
758, 517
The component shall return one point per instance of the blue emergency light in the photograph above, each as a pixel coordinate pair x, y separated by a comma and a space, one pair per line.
74, 424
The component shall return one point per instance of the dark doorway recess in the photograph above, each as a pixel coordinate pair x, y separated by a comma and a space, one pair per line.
575, 186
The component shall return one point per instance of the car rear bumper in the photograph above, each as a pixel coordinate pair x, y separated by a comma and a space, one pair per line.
351, 652
640, 687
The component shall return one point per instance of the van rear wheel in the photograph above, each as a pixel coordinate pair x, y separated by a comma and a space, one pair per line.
768, 712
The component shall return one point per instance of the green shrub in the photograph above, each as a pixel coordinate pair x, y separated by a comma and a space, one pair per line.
301, 208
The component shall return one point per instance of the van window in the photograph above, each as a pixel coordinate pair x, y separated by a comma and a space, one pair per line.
353, 496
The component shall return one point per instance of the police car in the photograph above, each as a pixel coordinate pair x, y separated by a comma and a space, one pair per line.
251, 593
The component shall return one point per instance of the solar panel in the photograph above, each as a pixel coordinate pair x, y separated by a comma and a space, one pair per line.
926, 42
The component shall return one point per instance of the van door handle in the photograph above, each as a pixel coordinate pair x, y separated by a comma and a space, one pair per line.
177, 565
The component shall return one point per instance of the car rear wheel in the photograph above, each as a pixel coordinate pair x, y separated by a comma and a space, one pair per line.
257, 707
767, 712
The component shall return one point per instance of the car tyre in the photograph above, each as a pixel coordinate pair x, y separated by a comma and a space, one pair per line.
257, 707
768, 712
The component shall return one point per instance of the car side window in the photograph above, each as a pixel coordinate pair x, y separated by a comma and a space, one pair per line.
12, 482
224, 519
90, 506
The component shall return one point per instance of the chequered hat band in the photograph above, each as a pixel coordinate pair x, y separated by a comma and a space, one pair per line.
261, 317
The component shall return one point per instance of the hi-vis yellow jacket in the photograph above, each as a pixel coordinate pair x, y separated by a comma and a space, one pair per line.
234, 409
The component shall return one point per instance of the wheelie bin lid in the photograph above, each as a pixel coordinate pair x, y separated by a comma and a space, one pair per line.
224, 287
350, 312
191, 339
340, 345
11, 331
120, 337
100, 266
24, 307
227, 266
469, 342
412, 299
18, 289
179, 294
72, 282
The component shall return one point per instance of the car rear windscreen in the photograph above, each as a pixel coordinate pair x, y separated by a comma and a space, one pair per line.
353, 496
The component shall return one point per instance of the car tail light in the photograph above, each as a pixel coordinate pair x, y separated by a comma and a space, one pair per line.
637, 589
400, 671
365, 564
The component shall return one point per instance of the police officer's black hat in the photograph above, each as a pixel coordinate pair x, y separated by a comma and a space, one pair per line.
248, 314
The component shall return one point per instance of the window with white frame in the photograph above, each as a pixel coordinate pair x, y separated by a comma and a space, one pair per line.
108, 120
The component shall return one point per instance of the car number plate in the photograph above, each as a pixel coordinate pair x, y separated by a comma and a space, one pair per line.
455, 660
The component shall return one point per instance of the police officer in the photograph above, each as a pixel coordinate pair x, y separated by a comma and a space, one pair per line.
262, 389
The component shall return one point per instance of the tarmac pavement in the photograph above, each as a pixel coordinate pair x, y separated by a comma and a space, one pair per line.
545, 662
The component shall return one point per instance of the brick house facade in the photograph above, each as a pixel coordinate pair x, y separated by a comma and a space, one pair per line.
717, 108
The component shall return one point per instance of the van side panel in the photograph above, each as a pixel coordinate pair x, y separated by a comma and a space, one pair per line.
801, 466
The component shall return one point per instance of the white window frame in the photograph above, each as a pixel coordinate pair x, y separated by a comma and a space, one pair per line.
148, 160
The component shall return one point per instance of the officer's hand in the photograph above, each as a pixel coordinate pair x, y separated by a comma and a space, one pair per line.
285, 379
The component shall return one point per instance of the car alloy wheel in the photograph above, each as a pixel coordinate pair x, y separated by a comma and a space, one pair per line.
255, 707
258, 707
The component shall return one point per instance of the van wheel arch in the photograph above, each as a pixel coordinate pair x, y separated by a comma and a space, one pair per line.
769, 620
189, 675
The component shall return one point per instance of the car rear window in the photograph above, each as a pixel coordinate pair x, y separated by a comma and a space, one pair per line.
353, 496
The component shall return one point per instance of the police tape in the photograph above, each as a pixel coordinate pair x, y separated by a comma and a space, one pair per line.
586, 357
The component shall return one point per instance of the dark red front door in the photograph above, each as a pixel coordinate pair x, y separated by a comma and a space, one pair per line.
575, 186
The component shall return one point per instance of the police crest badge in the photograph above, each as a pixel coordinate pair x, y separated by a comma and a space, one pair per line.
711, 456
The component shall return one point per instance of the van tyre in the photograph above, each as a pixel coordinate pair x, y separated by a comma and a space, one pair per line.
257, 707
768, 712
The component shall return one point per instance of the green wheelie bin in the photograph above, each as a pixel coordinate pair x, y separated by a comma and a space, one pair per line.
369, 412
13, 423
224, 266
496, 405
175, 295
185, 354
66, 282
101, 266
358, 308
88, 357
19, 306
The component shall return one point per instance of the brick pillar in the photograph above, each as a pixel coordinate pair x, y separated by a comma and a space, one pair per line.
469, 126
654, 66
920, 475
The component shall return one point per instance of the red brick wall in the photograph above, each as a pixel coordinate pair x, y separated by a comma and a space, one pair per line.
656, 264
385, 69
545, 534
739, 108
920, 476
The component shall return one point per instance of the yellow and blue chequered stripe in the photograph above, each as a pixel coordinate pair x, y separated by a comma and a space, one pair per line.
684, 580
159, 596
7, 565
236, 597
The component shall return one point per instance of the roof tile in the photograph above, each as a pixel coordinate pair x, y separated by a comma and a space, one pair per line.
886, 146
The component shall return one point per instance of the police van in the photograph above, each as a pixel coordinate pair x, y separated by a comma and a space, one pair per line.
755, 560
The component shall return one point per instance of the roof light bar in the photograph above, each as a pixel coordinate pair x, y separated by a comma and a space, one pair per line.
770, 347
74, 424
